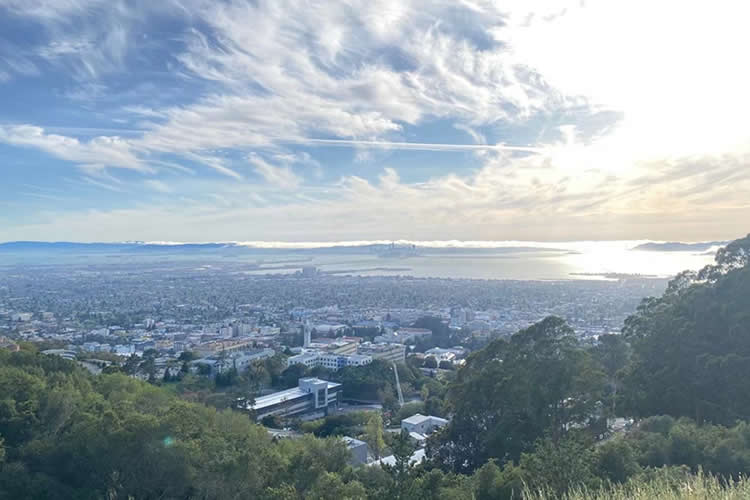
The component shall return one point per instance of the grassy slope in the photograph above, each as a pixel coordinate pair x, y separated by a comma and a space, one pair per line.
699, 487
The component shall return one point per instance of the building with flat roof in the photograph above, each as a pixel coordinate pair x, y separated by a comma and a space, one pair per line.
215, 347
403, 335
422, 424
63, 353
328, 360
358, 449
312, 397
386, 352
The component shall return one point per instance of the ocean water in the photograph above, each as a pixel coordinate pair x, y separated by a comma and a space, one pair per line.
576, 260
449, 259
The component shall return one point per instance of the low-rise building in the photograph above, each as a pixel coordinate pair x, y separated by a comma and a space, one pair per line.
358, 449
403, 335
445, 354
422, 424
386, 352
226, 346
329, 360
311, 398
63, 353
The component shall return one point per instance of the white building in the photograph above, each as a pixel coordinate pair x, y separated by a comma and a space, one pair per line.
312, 397
331, 361
403, 335
423, 424
21, 316
445, 354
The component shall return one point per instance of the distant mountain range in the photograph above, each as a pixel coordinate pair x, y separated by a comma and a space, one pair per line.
675, 246
385, 250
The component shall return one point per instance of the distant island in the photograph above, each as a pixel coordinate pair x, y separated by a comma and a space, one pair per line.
675, 246
618, 276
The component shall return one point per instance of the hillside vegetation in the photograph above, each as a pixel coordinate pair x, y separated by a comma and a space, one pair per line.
527, 419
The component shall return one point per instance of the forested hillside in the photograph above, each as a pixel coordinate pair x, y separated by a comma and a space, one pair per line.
527, 413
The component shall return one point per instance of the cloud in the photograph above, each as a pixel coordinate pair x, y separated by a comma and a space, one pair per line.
281, 177
157, 185
575, 124
111, 151
215, 163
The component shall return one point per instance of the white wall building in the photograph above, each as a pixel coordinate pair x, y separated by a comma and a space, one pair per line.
423, 424
329, 360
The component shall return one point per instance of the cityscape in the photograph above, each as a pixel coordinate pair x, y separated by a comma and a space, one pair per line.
374, 250
212, 309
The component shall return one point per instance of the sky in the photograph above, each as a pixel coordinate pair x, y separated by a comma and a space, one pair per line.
253, 120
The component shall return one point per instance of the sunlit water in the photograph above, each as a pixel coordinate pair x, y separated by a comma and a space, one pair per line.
576, 260
492, 260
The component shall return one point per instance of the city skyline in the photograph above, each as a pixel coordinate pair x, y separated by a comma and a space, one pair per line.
384, 120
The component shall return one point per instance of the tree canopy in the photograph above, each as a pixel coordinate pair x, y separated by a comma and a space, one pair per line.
514, 391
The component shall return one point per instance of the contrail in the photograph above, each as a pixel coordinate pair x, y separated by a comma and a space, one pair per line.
417, 146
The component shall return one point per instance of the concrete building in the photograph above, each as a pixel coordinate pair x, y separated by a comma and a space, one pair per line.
329, 360
21, 316
445, 354
423, 424
312, 397
386, 352
218, 346
238, 360
403, 335
358, 449
63, 353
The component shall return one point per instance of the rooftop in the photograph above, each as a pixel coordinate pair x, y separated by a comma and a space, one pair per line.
289, 394
418, 418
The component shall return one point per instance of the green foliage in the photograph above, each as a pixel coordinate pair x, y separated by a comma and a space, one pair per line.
513, 392
374, 434
346, 424
371, 382
560, 465
430, 362
665, 484
615, 461
441, 334
407, 411
70, 435
691, 347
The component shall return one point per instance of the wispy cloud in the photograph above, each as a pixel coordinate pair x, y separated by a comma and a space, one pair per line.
159, 186
417, 146
110, 151
575, 124
282, 177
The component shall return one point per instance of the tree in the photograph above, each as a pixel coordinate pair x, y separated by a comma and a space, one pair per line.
691, 348
613, 353
558, 466
615, 461
374, 434
402, 452
186, 356
330, 485
512, 392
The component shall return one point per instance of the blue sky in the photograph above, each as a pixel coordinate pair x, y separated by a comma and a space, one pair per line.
190, 120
